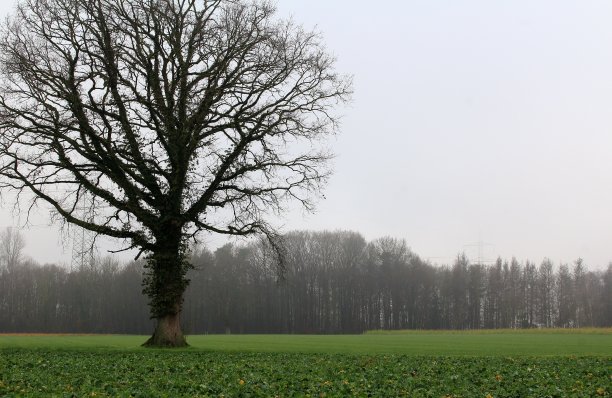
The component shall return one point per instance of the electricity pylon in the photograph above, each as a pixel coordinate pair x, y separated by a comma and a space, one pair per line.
84, 240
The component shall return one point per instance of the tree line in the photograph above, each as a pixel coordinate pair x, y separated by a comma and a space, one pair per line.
329, 282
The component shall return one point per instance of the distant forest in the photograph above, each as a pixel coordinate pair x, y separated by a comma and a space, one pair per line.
333, 282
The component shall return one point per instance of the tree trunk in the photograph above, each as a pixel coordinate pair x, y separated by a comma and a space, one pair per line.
165, 283
167, 333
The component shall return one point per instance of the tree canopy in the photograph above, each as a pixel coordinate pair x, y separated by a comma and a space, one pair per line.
172, 116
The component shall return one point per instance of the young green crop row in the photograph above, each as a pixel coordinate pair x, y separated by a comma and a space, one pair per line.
44, 373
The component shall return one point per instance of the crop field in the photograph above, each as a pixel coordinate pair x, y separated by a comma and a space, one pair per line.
414, 364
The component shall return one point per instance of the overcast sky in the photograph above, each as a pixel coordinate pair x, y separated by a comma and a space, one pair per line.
471, 121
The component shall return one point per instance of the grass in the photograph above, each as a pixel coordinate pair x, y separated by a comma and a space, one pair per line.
500, 331
484, 343
415, 364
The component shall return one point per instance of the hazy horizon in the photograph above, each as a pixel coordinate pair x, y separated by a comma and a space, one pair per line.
471, 121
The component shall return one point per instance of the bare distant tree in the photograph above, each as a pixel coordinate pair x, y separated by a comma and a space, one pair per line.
176, 116
11, 248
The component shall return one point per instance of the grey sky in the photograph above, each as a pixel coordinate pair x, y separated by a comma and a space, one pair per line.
471, 120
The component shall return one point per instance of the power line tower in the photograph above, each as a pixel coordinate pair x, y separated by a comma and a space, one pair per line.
480, 246
84, 240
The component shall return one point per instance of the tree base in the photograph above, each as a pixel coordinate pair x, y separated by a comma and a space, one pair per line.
168, 333
154, 342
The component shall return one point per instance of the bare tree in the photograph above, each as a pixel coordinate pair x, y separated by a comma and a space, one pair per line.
11, 248
177, 116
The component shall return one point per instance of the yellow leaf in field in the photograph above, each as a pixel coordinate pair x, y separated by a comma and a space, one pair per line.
601, 391
241, 382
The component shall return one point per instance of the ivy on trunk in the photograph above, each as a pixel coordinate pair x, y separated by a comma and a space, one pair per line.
165, 283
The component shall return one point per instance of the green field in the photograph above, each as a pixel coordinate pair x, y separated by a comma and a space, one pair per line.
419, 364
588, 342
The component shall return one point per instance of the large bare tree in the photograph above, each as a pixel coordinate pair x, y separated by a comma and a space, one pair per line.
173, 116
